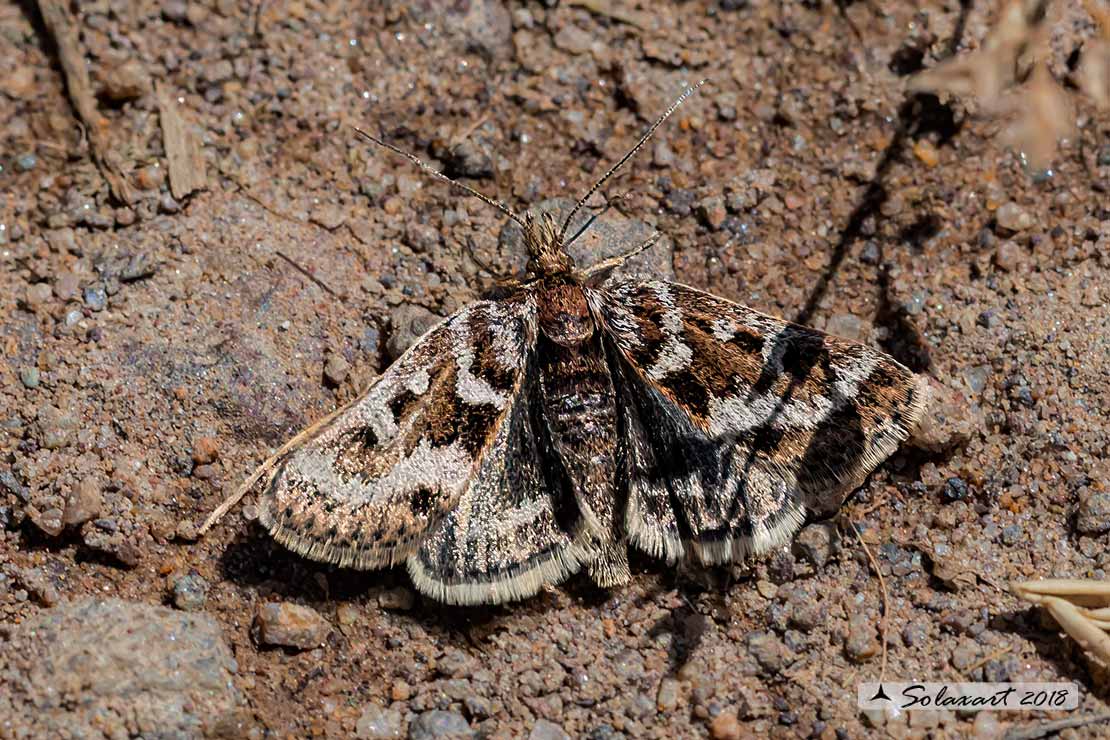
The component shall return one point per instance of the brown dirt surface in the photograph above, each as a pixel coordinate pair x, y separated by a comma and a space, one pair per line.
155, 351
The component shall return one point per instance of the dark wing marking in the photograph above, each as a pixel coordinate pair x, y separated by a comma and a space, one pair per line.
516, 527
366, 486
738, 422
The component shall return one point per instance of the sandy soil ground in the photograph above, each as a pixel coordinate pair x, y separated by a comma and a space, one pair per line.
158, 346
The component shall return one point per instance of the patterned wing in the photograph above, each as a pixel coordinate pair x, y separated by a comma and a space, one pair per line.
738, 422
516, 527
364, 488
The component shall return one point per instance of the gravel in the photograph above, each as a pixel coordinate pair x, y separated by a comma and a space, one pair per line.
1004, 274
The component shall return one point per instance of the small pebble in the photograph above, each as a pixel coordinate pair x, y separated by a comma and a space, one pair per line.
987, 727
167, 204
126, 81
346, 614
954, 490
725, 726
55, 427
335, 370
769, 651
29, 376
712, 211
1012, 217
421, 237
440, 724
861, 644
469, 159
409, 323
83, 504
38, 294
19, 83
206, 450
67, 286
1008, 255
328, 215
175, 10
376, 723
190, 592
291, 625
766, 589
870, 254
924, 150
39, 586
396, 599
26, 162
816, 543
1093, 515
400, 691
547, 730
95, 298
666, 699
49, 521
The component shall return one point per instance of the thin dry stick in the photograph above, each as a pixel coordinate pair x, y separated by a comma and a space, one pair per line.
882, 587
987, 659
184, 153
463, 135
261, 470
1032, 732
63, 28
322, 285
631, 153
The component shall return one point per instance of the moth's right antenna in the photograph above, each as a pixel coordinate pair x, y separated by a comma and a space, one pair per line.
632, 152
439, 175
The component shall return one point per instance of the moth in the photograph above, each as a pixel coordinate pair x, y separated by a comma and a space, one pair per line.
526, 438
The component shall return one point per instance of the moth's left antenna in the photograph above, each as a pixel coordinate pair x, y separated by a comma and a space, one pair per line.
631, 153
440, 176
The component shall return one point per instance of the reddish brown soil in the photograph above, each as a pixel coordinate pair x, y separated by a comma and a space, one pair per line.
155, 352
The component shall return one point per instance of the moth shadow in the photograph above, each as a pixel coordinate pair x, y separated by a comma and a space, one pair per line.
255, 560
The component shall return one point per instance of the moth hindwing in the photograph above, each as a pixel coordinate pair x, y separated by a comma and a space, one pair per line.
523, 439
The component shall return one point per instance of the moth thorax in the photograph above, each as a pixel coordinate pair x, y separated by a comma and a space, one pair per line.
565, 315
545, 250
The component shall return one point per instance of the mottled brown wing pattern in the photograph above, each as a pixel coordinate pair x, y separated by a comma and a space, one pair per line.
364, 489
736, 422
516, 526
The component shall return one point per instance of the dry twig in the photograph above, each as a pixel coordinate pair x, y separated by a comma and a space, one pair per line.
882, 588
63, 29
184, 156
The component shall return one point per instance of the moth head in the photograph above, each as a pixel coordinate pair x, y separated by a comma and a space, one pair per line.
546, 255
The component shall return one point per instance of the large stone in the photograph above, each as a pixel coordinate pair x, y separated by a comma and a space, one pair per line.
112, 668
